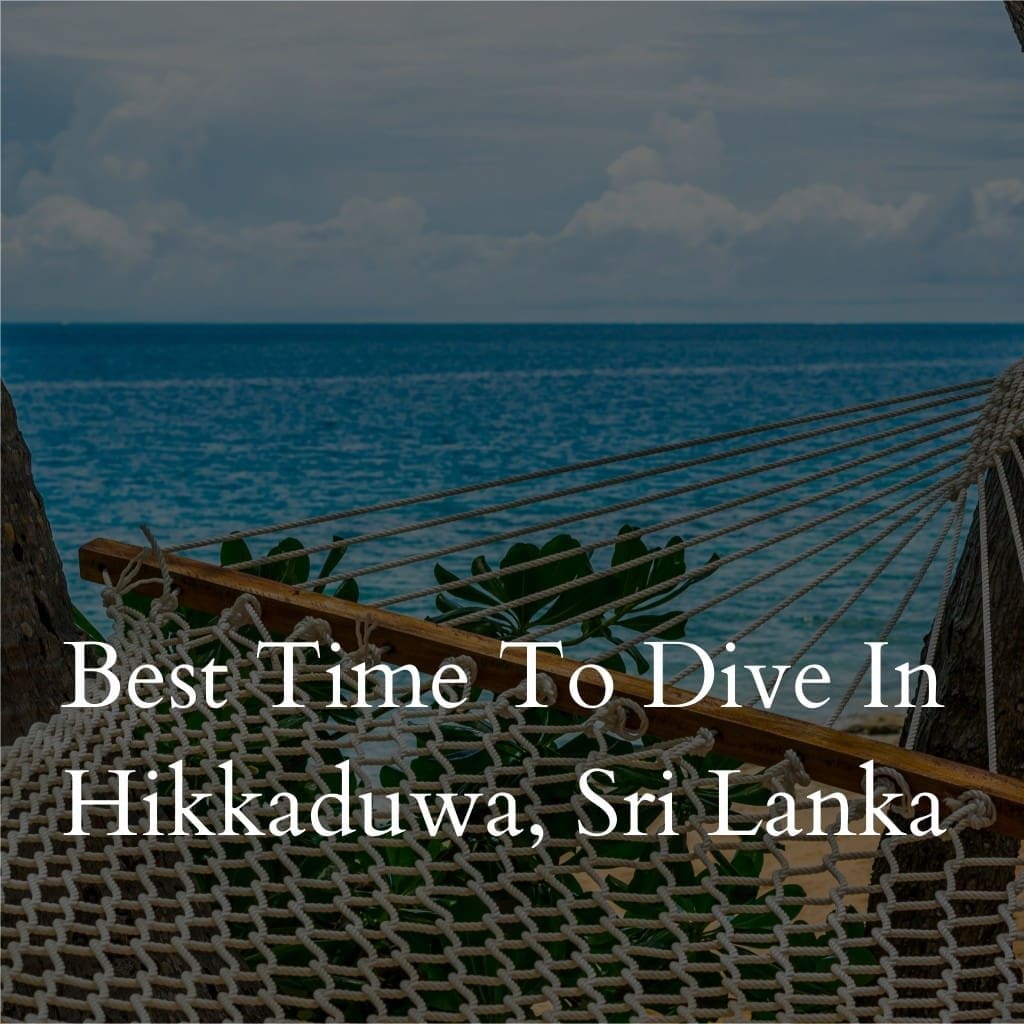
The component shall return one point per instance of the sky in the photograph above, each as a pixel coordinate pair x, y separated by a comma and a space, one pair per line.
472, 162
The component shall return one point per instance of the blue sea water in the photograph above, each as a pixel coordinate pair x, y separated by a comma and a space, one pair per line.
202, 429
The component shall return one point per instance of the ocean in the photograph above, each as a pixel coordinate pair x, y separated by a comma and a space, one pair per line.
200, 429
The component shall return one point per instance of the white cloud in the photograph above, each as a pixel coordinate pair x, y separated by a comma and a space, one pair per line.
999, 208
818, 206
492, 161
62, 225
685, 212
696, 217
641, 163
693, 147
682, 150
645, 249
396, 219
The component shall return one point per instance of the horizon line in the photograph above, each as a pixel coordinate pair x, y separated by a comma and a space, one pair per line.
508, 323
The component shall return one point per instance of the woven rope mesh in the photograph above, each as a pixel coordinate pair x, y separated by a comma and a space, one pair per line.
449, 927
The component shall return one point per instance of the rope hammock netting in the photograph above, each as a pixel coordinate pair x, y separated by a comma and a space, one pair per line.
814, 534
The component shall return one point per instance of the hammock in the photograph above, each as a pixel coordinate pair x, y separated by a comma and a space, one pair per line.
794, 534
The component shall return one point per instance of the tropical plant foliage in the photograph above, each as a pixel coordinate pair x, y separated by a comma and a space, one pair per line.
514, 603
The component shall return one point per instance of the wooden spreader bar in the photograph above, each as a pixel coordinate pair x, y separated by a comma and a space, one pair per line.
759, 737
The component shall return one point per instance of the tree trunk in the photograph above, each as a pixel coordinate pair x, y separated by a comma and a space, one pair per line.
1015, 9
35, 615
957, 731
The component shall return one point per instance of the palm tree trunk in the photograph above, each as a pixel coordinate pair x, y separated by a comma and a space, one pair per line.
1015, 9
35, 614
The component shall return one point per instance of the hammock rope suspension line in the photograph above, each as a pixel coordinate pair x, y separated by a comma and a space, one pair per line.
634, 534
986, 629
529, 501
640, 560
926, 564
959, 392
930, 508
940, 610
733, 556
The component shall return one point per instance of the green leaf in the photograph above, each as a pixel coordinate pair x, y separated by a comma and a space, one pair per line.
138, 602
495, 587
348, 590
234, 551
473, 595
643, 666
83, 623
334, 556
669, 566
292, 570
614, 662
630, 580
